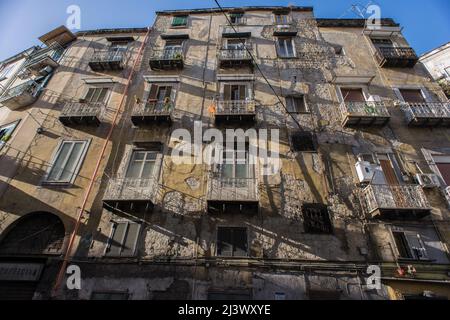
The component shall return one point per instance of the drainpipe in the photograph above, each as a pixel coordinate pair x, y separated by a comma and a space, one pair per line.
67, 255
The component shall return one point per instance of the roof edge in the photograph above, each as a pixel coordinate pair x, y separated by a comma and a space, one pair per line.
111, 31
353, 23
227, 9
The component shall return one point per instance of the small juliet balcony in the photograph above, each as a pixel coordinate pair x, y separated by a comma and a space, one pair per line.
234, 58
132, 195
43, 61
167, 59
152, 112
396, 201
232, 195
369, 113
427, 114
22, 95
235, 111
396, 57
82, 113
112, 59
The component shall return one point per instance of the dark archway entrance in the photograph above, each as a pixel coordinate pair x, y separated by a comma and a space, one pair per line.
23, 249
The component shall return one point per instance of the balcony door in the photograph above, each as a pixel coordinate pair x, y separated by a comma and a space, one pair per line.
235, 48
353, 95
172, 48
236, 170
234, 97
443, 164
161, 98
412, 95
96, 95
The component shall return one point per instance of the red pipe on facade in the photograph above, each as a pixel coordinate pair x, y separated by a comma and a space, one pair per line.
97, 167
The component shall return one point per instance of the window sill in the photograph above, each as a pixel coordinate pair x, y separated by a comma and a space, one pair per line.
56, 184
288, 58
179, 27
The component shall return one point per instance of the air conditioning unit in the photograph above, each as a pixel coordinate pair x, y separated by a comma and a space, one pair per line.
365, 171
428, 180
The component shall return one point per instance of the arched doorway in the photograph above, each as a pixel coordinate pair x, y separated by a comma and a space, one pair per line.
22, 247
39, 233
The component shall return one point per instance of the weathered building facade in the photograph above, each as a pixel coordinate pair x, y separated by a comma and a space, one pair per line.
359, 127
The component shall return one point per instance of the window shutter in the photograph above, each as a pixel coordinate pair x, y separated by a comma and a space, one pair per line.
227, 92
168, 92
90, 94
242, 92
132, 235
179, 21
153, 92
399, 95
240, 242
118, 234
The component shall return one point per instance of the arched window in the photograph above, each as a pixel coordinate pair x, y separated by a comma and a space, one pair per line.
35, 234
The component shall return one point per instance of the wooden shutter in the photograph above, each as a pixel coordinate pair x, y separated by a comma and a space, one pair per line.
117, 239
240, 242
227, 92
168, 91
131, 238
153, 92
389, 172
242, 92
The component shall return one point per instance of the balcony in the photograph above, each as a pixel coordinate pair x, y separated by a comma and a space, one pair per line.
152, 112
44, 60
401, 201
167, 59
235, 111
22, 95
430, 114
234, 58
232, 195
112, 59
396, 57
367, 113
130, 194
82, 113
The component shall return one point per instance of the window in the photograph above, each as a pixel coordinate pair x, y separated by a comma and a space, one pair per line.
123, 239
5, 71
409, 245
353, 95
281, 18
173, 49
303, 142
179, 21
6, 132
142, 164
443, 164
109, 296
67, 162
236, 167
367, 157
338, 50
316, 219
96, 94
286, 47
412, 95
382, 43
296, 104
232, 242
235, 92
235, 44
237, 18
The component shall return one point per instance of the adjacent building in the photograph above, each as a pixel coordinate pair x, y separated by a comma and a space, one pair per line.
363, 179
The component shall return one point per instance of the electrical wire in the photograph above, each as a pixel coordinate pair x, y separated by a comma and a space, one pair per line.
258, 67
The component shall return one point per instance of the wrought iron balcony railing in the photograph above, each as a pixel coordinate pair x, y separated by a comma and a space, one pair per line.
21, 95
235, 54
232, 189
108, 59
369, 112
235, 107
83, 109
427, 113
44, 57
396, 56
395, 198
169, 58
130, 189
152, 112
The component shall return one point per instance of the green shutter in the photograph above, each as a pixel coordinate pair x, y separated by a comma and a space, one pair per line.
179, 21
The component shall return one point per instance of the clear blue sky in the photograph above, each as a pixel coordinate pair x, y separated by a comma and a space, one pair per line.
426, 22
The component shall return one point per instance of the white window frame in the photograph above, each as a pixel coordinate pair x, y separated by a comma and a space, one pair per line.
286, 15
12, 125
111, 235
422, 89
95, 87
248, 86
407, 233
130, 158
294, 50
75, 172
